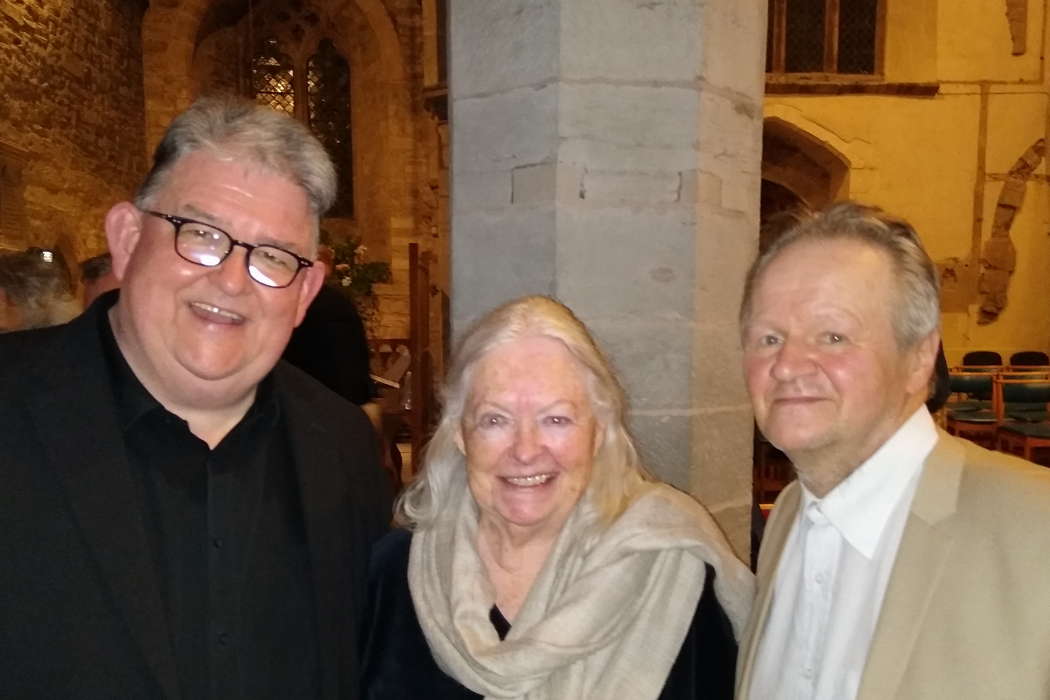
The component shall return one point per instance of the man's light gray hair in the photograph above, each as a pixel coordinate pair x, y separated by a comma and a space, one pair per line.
236, 126
916, 307
617, 474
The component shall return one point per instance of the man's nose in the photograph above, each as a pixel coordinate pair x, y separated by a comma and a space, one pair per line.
231, 275
793, 359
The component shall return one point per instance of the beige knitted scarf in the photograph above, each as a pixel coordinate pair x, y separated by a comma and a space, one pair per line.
606, 615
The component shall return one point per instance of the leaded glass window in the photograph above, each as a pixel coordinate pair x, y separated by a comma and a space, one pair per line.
317, 93
823, 36
328, 94
272, 77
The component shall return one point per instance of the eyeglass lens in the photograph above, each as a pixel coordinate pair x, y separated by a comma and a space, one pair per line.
209, 246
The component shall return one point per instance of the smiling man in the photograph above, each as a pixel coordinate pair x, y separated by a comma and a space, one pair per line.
184, 516
903, 563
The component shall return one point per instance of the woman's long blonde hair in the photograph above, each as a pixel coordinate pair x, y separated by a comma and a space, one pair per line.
618, 473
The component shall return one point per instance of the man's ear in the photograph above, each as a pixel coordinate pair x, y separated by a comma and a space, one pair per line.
922, 360
313, 278
123, 230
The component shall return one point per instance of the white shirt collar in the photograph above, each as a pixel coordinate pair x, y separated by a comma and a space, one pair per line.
860, 507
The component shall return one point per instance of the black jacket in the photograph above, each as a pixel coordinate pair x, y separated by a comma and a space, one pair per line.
81, 614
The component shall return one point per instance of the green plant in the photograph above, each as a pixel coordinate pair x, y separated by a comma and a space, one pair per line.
356, 277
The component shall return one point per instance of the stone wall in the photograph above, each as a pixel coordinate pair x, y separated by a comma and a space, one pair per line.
71, 80
963, 164
621, 177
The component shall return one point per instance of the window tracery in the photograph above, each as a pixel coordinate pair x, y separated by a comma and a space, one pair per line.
296, 70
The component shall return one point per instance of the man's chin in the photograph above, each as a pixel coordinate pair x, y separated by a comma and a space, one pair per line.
795, 442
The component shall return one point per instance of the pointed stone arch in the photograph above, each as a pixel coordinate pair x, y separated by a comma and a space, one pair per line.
171, 33
796, 160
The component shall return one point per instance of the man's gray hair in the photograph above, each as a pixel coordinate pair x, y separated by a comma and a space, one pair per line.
236, 126
617, 474
916, 311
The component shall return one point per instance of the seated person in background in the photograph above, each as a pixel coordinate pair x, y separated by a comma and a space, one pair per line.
543, 560
97, 276
35, 292
331, 346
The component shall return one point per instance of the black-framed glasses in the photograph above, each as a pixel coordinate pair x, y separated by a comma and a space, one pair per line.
207, 245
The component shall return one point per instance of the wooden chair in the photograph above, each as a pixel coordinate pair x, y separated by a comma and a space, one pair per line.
982, 358
389, 359
1029, 359
1025, 424
1025, 439
970, 412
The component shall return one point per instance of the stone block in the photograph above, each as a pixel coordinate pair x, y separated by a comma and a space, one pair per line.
993, 282
17, 14
721, 455
1013, 193
734, 34
499, 255
481, 190
717, 365
653, 358
506, 131
730, 131
630, 115
735, 520
499, 46
598, 154
631, 188
726, 243
702, 187
1000, 253
632, 261
663, 441
534, 184
600, 40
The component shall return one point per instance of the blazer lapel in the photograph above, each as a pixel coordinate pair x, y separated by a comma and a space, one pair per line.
315, 452
924, 548
85, 448
773, 540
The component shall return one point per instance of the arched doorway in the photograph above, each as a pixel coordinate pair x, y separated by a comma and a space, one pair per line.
799, 173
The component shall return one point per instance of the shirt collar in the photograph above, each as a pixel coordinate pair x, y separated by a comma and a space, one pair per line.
860, 507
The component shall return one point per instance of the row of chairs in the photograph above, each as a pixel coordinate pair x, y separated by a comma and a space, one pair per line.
1004, 408
990, 358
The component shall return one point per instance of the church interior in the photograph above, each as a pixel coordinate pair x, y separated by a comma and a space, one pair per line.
626, 159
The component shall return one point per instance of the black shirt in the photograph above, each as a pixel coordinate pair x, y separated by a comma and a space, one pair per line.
228, 541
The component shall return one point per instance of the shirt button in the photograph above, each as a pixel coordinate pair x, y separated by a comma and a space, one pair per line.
807, 672
216, 542
224, 639
819, 578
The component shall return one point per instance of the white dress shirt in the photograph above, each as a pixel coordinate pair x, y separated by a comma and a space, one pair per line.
833, 572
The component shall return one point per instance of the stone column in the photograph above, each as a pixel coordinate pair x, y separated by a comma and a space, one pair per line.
607, 152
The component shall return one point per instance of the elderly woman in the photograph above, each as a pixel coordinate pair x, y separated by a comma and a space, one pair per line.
543, 562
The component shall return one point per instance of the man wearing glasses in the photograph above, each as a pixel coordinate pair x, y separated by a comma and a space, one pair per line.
180, 515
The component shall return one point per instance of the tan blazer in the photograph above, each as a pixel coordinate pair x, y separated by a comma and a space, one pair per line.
967, 607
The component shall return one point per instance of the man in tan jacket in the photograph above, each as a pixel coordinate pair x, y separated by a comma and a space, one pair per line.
903, 563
